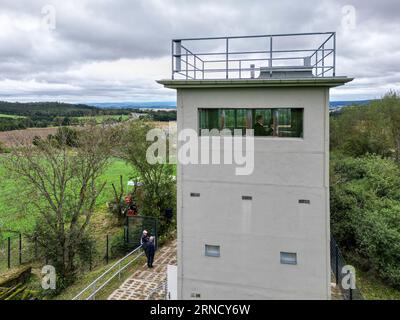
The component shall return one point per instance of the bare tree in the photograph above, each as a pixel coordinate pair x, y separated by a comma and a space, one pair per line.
64, 183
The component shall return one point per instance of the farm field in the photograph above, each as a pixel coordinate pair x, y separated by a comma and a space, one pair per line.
103, 118
9, 138
16, 213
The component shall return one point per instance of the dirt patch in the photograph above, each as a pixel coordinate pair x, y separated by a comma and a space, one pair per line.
12, 138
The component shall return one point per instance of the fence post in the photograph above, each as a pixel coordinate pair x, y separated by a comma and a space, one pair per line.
155, 234
107, 256
94, 292
337, 263
127, 230
20, 248
36, 247
227, 59
90, 259
9, 252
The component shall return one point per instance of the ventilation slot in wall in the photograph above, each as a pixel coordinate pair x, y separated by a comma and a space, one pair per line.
304, 201
194, 194
247, 198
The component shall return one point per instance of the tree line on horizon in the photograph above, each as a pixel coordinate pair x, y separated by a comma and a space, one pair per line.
17, 116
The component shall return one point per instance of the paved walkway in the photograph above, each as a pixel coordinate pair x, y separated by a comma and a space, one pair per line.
145, 280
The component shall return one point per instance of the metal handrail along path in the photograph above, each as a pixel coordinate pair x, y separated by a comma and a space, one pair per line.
95, 288
152, 293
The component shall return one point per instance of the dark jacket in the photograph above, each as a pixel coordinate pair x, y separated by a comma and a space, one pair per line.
144, 241
150, 249
260, 130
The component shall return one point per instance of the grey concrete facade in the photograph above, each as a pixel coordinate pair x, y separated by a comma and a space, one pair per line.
252, 233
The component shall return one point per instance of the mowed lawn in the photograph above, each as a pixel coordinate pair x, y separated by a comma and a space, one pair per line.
17, 214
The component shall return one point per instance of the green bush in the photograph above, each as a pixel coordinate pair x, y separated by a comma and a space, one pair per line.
118, 246
365, 211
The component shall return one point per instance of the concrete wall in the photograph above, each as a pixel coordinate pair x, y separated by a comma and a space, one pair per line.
252, 233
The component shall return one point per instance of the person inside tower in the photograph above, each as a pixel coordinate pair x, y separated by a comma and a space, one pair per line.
260, 129
150, 252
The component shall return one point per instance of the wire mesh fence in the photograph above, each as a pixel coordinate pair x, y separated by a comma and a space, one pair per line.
134, 227
343, 274
18, 249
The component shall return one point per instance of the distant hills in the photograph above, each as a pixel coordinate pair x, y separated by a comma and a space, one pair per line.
135, 105
172, 104
339, 104
46, 109
96, 108
15, 115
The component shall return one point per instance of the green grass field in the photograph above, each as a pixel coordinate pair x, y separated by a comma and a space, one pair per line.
2, 115
103, 118
374, 289
15, 212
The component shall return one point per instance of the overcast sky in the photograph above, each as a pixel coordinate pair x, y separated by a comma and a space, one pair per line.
113, 50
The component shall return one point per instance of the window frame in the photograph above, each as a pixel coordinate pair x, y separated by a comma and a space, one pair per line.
207, 254
252, 112
288, 262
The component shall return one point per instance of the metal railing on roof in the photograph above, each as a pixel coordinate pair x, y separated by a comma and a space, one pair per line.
90, 292
216, 58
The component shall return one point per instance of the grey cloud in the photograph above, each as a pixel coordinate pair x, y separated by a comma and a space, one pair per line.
100, 30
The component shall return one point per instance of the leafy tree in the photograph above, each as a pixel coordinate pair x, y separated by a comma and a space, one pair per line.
66, 135
64, 187
373, 129
390, 107
158, 192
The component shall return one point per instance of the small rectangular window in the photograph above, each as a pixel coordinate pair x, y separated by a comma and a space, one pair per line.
288, 258
304, 201
194, 194
247, 198
212, 251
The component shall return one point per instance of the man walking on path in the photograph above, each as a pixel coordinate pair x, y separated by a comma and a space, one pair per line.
150, 252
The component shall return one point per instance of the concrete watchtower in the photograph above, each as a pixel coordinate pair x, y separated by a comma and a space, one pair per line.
265, 234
